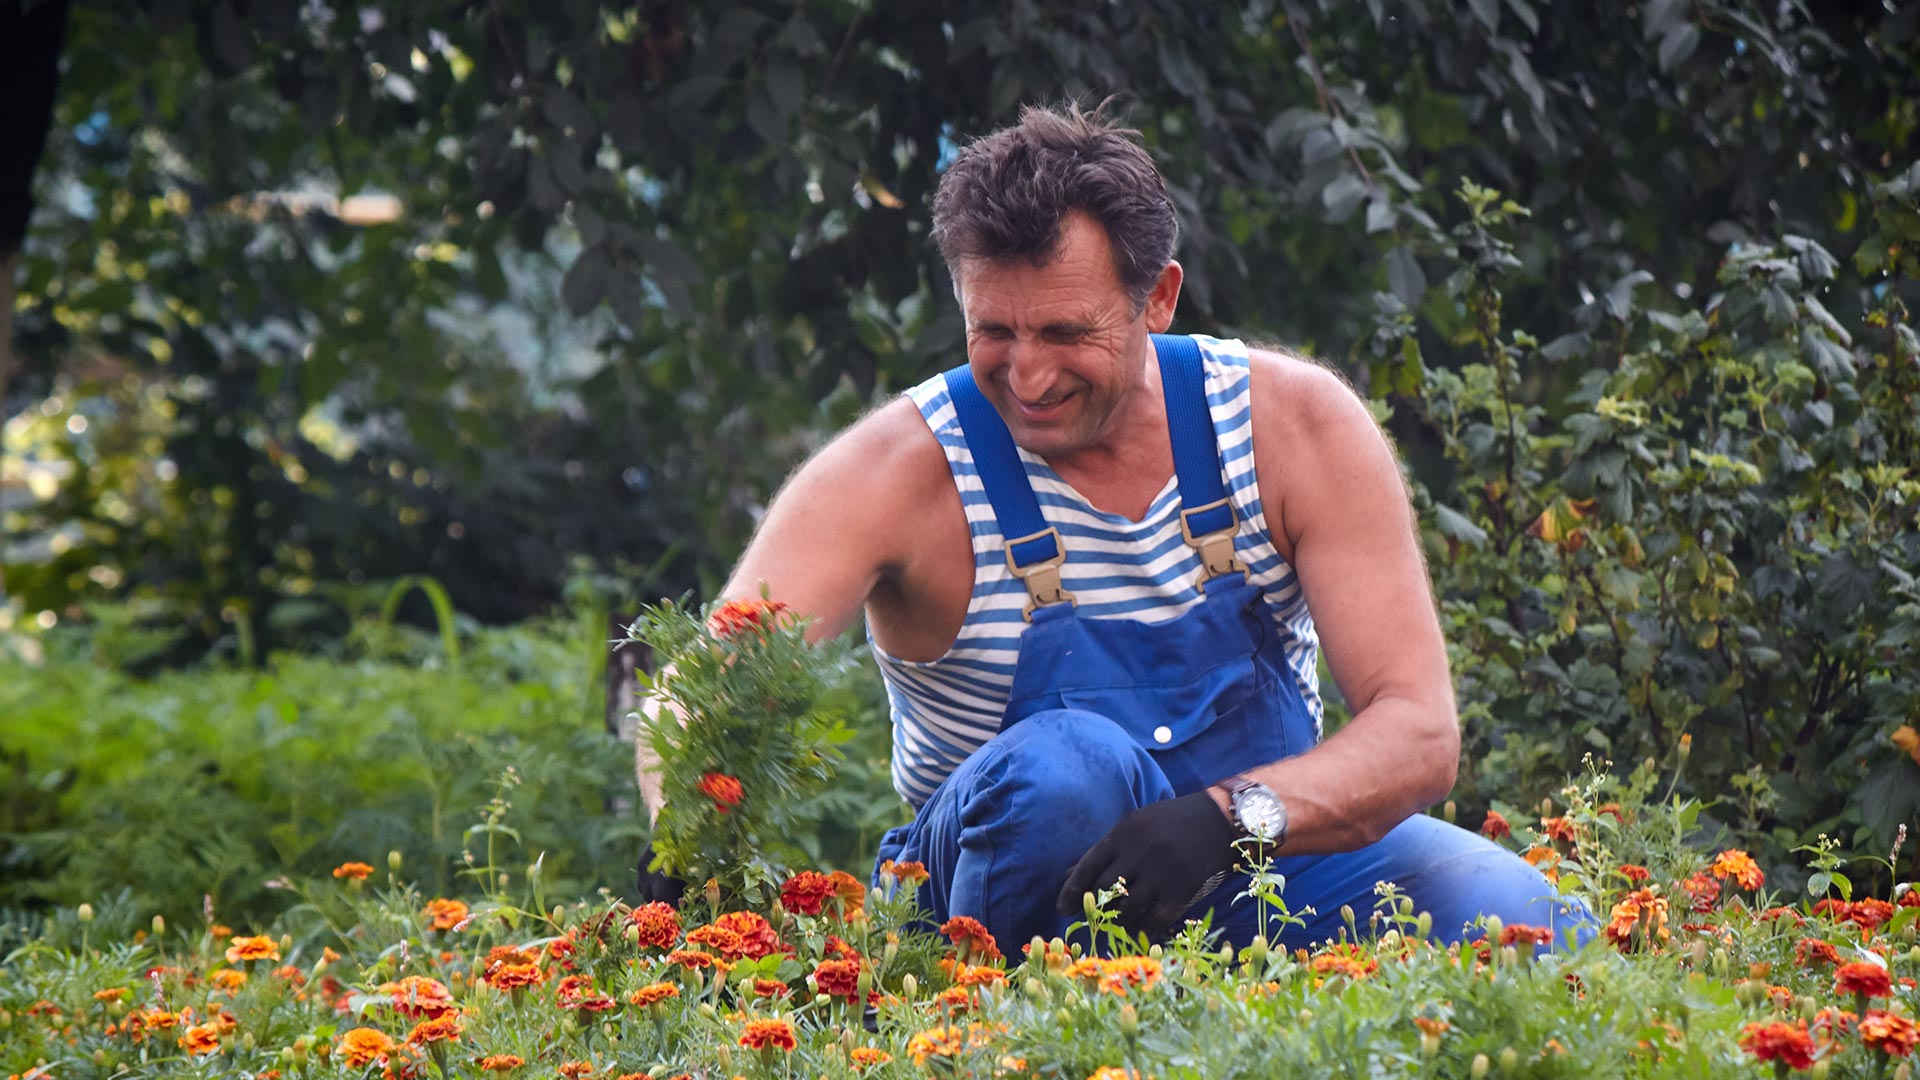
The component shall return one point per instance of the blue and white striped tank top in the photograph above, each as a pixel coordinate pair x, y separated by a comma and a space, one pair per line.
945, 709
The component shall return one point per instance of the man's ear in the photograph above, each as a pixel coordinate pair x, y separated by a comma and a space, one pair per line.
1164, 297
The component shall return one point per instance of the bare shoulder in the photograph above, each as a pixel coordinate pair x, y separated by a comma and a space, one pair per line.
1313, 438
888, 458
1297, 395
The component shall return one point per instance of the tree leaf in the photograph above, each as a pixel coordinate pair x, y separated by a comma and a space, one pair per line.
1405, 277
1677, 44
1457, 526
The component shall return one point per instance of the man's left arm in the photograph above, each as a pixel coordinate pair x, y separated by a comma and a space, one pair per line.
1338, 510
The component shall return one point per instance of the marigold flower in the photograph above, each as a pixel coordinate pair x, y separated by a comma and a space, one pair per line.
1738, 865
1889, 1033
1869, 913
1831, 1024
1560, 830
443, 1028
1431, 1025
1522, 934
501, 1062
572, 1070
724, 790
291, 974
510, 977
446, 914
228, 979
655, 925
837, 978
1634, 872
1907, 739
691, 959
1544, 859
774, 1033
806, 892
978, 975
947, 1040
220, 931
1641, 911
971, 937
1348, 959
1862, 978
866, 1057
1778, 1041
1113, 1072
653, 994
910, 873
354, 871
1703, 892
200, 1039
734, 616
111, 993
1495, 826
1121, 972
243, 949
418, 995
364, 1046
1810, 950
953, 999
757, 937
851, 891
771, 988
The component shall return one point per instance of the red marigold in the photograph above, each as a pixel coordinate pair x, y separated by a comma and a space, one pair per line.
719, 939
734, 616
1773, 913
724, 790
1863, 978
510, 977
757, 937
1909, 896
1891, 1034
771, 988
838, 978
1495, 826
690, 959
1810, 950
1634, 872
1831, 1024
443, 1028
971, 936
1703, 891
655, 925
806, 892
356, 871
1522, 934
1560, 830
1870, 913
1738, 865
446, 914
653, 994
1778, 1041
775, 1033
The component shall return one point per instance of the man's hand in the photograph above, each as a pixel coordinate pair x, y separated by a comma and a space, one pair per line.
1166, 851
654, 885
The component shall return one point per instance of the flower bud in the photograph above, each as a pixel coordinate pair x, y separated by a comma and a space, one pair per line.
558, 916
1424, 924
159, 925
84, 912
1722, 961
1904, 1072
1156, 951
1494, 926
1036, 949
909, 986
1481, 1064
1686, 746
1089, 906
1509, 1060
1821, 1067
1256, 951
393, 861
1129, 1021
891, 950
1305, 1016
1449, 811
286, 1056
822, 999
725, 1053
1036, 990
100, 1056
864, 984
1509, 956
657, 1071
1429, 1044
1697, 953
1346, 916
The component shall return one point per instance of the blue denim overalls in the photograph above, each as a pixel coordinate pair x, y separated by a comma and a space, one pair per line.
1108, 715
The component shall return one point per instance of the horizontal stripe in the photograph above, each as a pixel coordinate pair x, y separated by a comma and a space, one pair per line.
1117, 568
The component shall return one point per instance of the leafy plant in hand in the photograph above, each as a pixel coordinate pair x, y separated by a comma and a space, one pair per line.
763, 716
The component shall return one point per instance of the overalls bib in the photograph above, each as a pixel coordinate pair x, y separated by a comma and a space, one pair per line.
1108, 715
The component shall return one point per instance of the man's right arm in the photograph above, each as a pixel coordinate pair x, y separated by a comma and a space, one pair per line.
842, 524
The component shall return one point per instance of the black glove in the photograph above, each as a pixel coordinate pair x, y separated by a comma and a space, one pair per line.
653, 884
1168, 851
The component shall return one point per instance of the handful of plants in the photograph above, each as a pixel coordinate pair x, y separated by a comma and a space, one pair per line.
763, 715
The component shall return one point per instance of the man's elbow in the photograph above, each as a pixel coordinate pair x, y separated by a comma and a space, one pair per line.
1439, 755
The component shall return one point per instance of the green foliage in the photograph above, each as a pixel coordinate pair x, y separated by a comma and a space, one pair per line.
1713, 534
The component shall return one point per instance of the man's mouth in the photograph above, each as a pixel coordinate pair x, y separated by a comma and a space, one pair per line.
1043, 409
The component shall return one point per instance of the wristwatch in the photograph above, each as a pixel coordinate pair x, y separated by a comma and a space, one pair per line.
1257, 811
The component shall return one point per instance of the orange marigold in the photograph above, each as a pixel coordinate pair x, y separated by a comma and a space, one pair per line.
971, 937
1431, 1025
909, 873
806, 892
1560, 830
1738, 865
719, 939
724, 790
762, 1034
200, 1039
866, 1057
1905, 738
837, 978
851, 891
1522, 934
655, 925
1703, 892
111, 993
356, 871
734, 616
572, 1070
691, 959
653, 994
1634, 872
228, 979
443, 1028
757, 937
1889, 1033
501, 1062
771, 988
1862, 978
1870, 913
445, 914
1113, 1072
243, 949
1495, 826
364, 1046
511, 977
418, 995
1348, 959
1121, 972
1544, 859
978, 975
947, 1040
1779, 1041
1811, 950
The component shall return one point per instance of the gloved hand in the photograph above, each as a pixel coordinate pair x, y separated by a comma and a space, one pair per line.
1167, 851
654, 885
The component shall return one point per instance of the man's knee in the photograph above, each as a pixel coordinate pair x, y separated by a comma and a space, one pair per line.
1467, 877
1063, 764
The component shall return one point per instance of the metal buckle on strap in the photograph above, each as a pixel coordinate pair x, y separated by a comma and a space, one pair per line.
1042, 578
1215, 548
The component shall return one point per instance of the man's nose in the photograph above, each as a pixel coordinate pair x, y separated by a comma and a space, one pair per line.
1029, 374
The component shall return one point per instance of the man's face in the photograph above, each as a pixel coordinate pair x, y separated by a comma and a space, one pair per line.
1058, 349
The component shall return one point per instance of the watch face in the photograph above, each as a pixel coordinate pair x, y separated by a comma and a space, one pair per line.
1261, 814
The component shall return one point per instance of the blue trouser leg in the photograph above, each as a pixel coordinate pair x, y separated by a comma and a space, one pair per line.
999, 836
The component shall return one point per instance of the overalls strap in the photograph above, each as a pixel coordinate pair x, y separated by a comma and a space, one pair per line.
1034, 550
1207, 518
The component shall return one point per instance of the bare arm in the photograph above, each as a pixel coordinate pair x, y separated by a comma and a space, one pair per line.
1345, 524
839, 527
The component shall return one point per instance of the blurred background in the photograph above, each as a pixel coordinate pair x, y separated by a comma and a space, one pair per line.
363, 364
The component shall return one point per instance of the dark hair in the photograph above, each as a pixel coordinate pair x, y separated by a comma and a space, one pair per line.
1004, 194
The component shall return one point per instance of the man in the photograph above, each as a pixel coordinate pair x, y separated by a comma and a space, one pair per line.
1097, 565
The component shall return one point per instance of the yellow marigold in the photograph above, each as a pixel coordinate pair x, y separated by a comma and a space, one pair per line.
1738, 865
244, 949
501, 1062
228, 979
1121, 972
947, 1041
446, 914
356, 871
653, 993
111, 993
774, 1033
200, 1039
574, 1069
866, 1057
364, 1046
443, 1028
1544, 859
